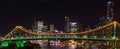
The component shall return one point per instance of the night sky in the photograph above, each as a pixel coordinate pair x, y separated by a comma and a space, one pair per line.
21, 12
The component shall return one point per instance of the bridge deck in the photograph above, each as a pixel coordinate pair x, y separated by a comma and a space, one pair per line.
60, 38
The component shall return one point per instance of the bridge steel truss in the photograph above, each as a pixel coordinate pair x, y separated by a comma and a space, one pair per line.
26, 34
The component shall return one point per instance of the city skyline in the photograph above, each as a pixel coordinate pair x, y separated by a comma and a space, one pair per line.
59, 24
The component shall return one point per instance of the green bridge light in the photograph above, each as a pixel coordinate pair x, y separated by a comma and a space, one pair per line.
19, 44
4, 44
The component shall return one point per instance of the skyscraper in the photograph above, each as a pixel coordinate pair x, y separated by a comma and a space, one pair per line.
45, 28
110, 14
73, 26
39, 26
67, 24
108, 18
34, 26
110, 9
51, 27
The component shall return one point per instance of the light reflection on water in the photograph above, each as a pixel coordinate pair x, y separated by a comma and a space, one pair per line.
58, 47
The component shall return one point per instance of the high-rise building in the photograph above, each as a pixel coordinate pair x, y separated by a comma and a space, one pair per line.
108, 19
80, 28
110, 13
110, 9
45, 28
73, 26
39, 26
51, 27
67, 24
34, 26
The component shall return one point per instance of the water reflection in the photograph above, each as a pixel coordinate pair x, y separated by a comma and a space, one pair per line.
61, 45
58, 47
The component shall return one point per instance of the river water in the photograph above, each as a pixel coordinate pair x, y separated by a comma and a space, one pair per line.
59, 47
50, 47
45, 46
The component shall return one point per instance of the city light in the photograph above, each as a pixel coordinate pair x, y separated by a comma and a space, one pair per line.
84, 32
21, 44
73, 31
66, 17
109, 2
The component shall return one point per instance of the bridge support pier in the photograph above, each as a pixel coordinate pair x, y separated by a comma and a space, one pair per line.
4, 44
114, 45
114, 36
19, 43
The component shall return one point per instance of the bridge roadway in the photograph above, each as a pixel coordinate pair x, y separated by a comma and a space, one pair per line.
60, 38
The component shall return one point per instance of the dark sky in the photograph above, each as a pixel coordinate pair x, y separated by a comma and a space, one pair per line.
21, 12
